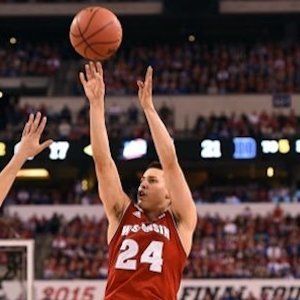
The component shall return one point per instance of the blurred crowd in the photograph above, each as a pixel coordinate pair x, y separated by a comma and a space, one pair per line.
247, 246
72, 193
186, 68
29, 60
192, 68
250, 193
78, 256
131, 123
77, 194
75, 125
249, 124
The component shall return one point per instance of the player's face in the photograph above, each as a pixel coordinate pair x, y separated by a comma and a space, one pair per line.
152, 192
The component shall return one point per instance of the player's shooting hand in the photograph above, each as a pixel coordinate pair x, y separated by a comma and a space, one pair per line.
29, 145
145, 90
92, 82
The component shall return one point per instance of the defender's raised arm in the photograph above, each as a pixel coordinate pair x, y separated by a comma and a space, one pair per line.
29, 146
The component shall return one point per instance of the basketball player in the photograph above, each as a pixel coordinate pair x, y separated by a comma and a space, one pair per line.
148, 242
29, 146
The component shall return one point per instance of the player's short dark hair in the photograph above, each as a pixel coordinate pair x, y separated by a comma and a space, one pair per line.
154, 165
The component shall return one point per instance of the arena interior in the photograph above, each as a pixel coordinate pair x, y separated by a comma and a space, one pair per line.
226, 84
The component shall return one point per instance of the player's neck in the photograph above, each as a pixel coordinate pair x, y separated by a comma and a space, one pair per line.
154, 215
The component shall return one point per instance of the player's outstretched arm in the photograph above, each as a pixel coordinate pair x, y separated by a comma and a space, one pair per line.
182, 204
110, 189
29, 146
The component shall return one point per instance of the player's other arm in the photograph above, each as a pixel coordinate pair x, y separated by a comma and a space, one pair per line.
109, 185
29, 146
182, 204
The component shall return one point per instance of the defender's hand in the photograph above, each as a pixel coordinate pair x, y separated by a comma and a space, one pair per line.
92, 82
30, 142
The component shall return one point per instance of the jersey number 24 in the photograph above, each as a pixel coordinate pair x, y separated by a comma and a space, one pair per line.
152, 255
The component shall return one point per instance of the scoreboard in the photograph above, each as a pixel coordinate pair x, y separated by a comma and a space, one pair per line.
229, 149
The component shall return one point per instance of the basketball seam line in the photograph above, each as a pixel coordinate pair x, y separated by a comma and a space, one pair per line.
93, 34
88, 45
87, 26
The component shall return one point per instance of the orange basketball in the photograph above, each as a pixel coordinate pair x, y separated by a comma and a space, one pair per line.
95, 33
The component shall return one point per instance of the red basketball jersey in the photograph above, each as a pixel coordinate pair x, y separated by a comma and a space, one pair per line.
146, 259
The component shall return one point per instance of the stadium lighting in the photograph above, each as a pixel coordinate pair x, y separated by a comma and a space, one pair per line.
1, 94
84, 185
2, 149
33, 173
13, 40
270, 172
191, 38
